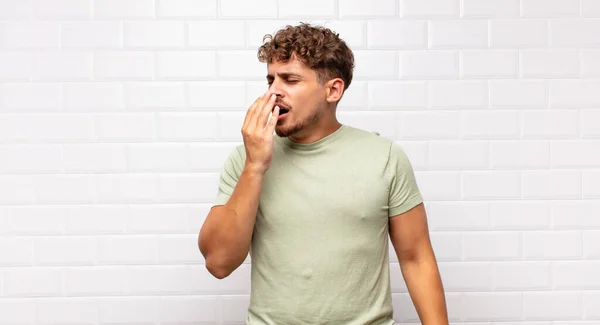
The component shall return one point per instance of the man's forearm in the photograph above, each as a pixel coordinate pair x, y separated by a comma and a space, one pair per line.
425, 287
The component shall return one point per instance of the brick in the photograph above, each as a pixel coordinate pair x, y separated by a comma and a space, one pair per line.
409, 34
93, 96
384, 123
574, 93
439, 185
550, 124
61, 9
32, 282
67, 250
234, 308
123, 65
590, 8
209, 157
429, 8
589, 62
541, 184
549, 8
125, 127
493, 306
591, 244
16, 251
96, 219
458, 155
355, 97
490, 9
376, 8
129, 310
590, 123
62, 66
230, 128
466, 276
30, 97
418, 152
256, 30
517, 33
575, 154
574, 32
491, 185
178, 249
397, 94
519, 215
195, 309
130, 188
156, 219
197, 214
490, 125
91, 34
442, 125
590, 184
154, 34
124, 9
576, 214
552, 305
240, 65
226, 34
549, 63
575, 275
519, 154
556, 245
154, 95
453, 216
74, 189
489, 64
127, 249
95, 281
188, 65
525, 275
144, 280
157, 157
187, 126
15, 11
31, 158
458, 34
438, 64
352, 32
68, 310
375, 65
181, 188
107, 158
35, 220
15, 66
518, 94
18, 310
243, 9
447, 246
16, 189
491, 246
591, 301
458, 94
312, 8
31, 35
186, 9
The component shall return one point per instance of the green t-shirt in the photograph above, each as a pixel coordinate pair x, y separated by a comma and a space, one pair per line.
319, 252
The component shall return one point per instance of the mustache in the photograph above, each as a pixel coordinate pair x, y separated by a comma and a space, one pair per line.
282, 104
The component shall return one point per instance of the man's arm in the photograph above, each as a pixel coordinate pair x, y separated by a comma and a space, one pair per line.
409, 234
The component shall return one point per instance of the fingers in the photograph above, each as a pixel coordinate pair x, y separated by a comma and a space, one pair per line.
249, 119
262, 112
273, 120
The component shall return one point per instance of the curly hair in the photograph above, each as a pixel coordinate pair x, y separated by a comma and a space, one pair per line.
317, 47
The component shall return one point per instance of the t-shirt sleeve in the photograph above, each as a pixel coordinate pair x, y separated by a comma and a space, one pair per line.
230, 174
404, 193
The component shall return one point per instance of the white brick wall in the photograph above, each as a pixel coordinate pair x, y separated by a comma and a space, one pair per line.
116, 116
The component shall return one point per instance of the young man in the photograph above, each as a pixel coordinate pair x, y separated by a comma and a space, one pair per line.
316, 205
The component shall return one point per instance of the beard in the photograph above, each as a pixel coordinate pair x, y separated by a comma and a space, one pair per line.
290, 127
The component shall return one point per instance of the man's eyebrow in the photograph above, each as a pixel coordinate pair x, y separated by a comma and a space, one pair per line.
285, 75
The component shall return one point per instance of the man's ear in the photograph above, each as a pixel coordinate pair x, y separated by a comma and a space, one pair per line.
335, 89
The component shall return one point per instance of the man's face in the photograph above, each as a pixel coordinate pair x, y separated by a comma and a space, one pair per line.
299, 91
